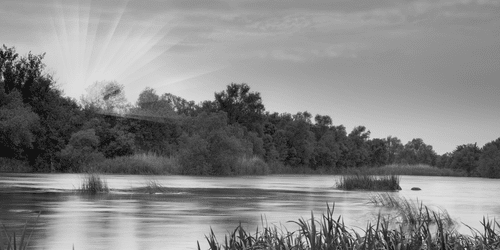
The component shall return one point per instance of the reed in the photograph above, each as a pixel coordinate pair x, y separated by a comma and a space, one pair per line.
9, 241
93, 184
153, 187
369, 182
145, 163
328, 232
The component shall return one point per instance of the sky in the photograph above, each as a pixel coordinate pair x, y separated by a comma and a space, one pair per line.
406, 68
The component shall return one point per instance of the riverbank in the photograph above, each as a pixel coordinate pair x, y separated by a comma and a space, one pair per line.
151, 164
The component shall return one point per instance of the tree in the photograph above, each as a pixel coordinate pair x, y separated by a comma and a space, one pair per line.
81, 151
58, 116
489, 161
241, 105
18, 126
378, 152
394, 148
417, 152
465, 157
358, 150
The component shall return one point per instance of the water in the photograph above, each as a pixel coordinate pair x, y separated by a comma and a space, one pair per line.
177, 219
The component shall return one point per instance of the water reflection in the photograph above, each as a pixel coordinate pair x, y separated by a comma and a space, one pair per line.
191, 206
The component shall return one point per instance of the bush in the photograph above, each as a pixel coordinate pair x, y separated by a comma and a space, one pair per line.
80, 152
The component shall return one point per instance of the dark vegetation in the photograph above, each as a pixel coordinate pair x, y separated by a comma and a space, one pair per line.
426, 230
369, 182
93, 184
41, 130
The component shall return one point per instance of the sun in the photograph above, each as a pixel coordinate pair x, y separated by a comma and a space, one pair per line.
93, 42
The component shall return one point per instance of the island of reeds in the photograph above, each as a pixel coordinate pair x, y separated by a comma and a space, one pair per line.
42, 130
369, 182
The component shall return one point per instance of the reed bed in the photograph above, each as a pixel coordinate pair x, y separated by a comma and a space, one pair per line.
145, 163
93, 184
369, 182
328, 232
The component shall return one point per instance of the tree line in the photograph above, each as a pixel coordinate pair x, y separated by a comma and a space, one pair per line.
51, 132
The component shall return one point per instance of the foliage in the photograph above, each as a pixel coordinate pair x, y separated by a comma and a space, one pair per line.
465, 157
18, 125
80, 151
241, 105
369, 182
417, 152
428, 231
489, 161
57, 117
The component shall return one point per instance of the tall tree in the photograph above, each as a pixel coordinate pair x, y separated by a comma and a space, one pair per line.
465, 157
242, 106
489, 162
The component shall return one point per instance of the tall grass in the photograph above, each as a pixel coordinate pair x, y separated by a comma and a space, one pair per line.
145, 163
251, 166
328, 232
411, 212
369, 182
9, 241
93, 184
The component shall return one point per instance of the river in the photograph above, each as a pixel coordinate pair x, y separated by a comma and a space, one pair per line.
192, 206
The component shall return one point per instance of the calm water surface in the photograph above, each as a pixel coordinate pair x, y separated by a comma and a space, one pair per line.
183, 215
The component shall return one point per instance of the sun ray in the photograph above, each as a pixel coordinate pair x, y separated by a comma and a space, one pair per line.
140, 47
101, 58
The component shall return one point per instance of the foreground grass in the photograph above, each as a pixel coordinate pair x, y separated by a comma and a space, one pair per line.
427, 232
9, 241
369, 182
93, 184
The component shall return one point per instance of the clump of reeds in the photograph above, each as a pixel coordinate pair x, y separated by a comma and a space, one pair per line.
330, 233
369, 182
153, 187
11, 242
93, 184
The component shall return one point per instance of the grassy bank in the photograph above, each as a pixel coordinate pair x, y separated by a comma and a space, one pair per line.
369, 182
428, 231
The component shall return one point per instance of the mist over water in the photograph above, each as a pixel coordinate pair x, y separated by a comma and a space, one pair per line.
191, 206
